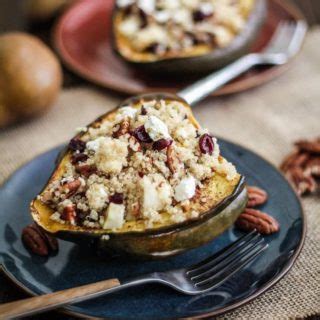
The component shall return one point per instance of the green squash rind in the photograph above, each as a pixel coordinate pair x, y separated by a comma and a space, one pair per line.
214, 60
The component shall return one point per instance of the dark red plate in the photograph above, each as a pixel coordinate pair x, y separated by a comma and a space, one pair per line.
82, 37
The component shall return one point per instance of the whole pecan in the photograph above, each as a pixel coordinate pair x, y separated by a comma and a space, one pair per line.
256, 196
38, 241
252, 219
124, 127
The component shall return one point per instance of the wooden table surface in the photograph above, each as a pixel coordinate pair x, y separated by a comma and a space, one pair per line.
8, 291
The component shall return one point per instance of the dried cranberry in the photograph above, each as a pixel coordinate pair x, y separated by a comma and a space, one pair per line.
116, 198
78, 157
143, 111
206, 144
77, 145
199, 15
161, 144
143, 18
142, 135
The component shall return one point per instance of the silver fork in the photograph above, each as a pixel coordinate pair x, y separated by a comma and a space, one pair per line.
284, 45
202, 277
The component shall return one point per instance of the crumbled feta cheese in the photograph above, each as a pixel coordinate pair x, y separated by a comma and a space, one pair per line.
206, 8
223, 36
149, 35
147, 6
156, 128
124, 3
186, 189
171, 4
93, 145
183, 17
156, 193
114, 216
111, 155
129, 26
94, 215
97, 196
162, 16
81, 129
128, 111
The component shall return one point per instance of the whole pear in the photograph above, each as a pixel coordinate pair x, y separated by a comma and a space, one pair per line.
30, 77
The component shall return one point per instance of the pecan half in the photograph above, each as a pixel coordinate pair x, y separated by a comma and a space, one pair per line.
296, 159
313, 167
124, 127
309, 146
252, 219
301, 180
38, 241
256, 196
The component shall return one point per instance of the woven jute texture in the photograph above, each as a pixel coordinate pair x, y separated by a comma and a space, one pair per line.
267, 120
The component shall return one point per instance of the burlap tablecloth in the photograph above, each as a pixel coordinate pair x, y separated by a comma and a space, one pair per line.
267, 120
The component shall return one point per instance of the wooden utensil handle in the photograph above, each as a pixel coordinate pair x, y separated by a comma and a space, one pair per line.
56, 299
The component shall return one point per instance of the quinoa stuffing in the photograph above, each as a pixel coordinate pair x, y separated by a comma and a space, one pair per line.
166, 27
148, 162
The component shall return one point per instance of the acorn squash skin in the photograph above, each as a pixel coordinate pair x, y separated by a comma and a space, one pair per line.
149, 244
203, 64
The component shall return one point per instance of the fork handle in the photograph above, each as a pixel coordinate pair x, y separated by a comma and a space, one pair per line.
56, 299
202, 88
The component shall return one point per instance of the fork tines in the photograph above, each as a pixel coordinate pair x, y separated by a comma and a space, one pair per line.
222, 265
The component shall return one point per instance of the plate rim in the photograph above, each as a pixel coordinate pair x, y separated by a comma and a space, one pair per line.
229, 88
221, 311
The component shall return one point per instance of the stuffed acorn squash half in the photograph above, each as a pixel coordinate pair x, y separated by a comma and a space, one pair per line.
145, 180
185, 36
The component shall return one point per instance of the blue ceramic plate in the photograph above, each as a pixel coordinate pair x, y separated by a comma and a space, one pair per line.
74, 266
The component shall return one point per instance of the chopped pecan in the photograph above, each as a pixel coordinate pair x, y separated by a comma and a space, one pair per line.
172, 159
38, 241
256, 196
135, 210
124, 127
252, 219
71, 187
309, 146
69, 214
134, 144
78, 157
85, 169
301, 180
